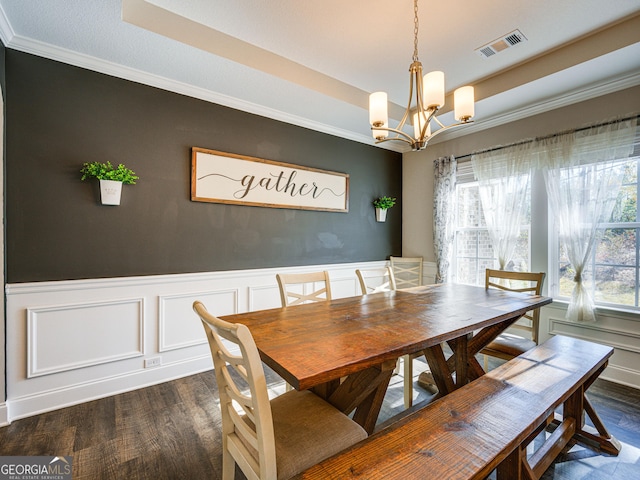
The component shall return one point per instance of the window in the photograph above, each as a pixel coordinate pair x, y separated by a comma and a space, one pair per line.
613, 271
473, 252
615, 258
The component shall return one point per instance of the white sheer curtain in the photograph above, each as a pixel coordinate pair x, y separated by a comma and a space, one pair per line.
583, 175
444, 197
504, 178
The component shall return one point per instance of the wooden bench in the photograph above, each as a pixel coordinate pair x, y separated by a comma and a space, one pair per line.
488, 423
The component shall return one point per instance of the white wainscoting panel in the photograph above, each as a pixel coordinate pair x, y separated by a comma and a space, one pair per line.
620, 330
342, 286
264, 297
179, 327
69, 342
66, 337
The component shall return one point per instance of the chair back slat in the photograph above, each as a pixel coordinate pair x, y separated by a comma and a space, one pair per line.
407, 271
298, 288
374, 280
524, 282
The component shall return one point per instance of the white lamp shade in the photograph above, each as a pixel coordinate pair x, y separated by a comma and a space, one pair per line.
419, 125
463, 99
378, 108
433, 89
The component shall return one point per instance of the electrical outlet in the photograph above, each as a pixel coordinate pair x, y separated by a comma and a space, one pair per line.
152, 362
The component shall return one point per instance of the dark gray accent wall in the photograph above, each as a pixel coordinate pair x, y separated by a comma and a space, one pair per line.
59, 116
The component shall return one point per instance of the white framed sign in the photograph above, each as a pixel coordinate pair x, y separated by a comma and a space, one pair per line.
221, 177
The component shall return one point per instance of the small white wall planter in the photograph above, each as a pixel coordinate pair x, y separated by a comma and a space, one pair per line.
382, 204
110, 192
111, 179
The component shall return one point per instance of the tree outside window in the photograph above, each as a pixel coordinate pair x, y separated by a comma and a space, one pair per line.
613, 272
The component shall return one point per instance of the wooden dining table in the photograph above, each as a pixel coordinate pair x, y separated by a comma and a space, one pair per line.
346, 349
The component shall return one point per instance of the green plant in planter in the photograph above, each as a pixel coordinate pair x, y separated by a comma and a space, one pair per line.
106, 171
384, 202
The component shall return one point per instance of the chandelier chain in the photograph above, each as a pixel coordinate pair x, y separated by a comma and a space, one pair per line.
415, 30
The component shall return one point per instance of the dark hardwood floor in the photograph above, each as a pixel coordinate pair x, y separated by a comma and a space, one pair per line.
172, 431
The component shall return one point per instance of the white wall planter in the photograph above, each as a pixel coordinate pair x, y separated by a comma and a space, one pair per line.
381, 214
110, 192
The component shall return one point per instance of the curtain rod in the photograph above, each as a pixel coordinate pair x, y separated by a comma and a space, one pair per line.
522, 142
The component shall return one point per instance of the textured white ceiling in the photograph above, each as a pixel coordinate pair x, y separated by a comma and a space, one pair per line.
314, 63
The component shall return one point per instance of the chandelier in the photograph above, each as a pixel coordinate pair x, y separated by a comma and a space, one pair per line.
429, 98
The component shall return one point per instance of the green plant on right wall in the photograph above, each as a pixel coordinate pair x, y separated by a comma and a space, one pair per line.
106, 171
384, 202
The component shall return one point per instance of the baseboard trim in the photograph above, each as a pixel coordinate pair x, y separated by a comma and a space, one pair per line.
53, 400
623, 376
42, 402
4, 415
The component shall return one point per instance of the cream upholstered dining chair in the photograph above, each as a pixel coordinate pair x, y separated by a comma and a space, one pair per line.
294, 287
407, 271
508, 345
294, 290
374, 280
268, 439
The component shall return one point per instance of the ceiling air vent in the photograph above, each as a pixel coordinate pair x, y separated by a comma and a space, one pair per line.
507, 41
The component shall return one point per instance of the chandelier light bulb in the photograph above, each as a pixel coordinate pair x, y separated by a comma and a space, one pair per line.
463, 99
419, 121
433, 87
378, 109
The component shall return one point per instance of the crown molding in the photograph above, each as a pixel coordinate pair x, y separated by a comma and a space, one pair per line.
564, 100
6, 32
